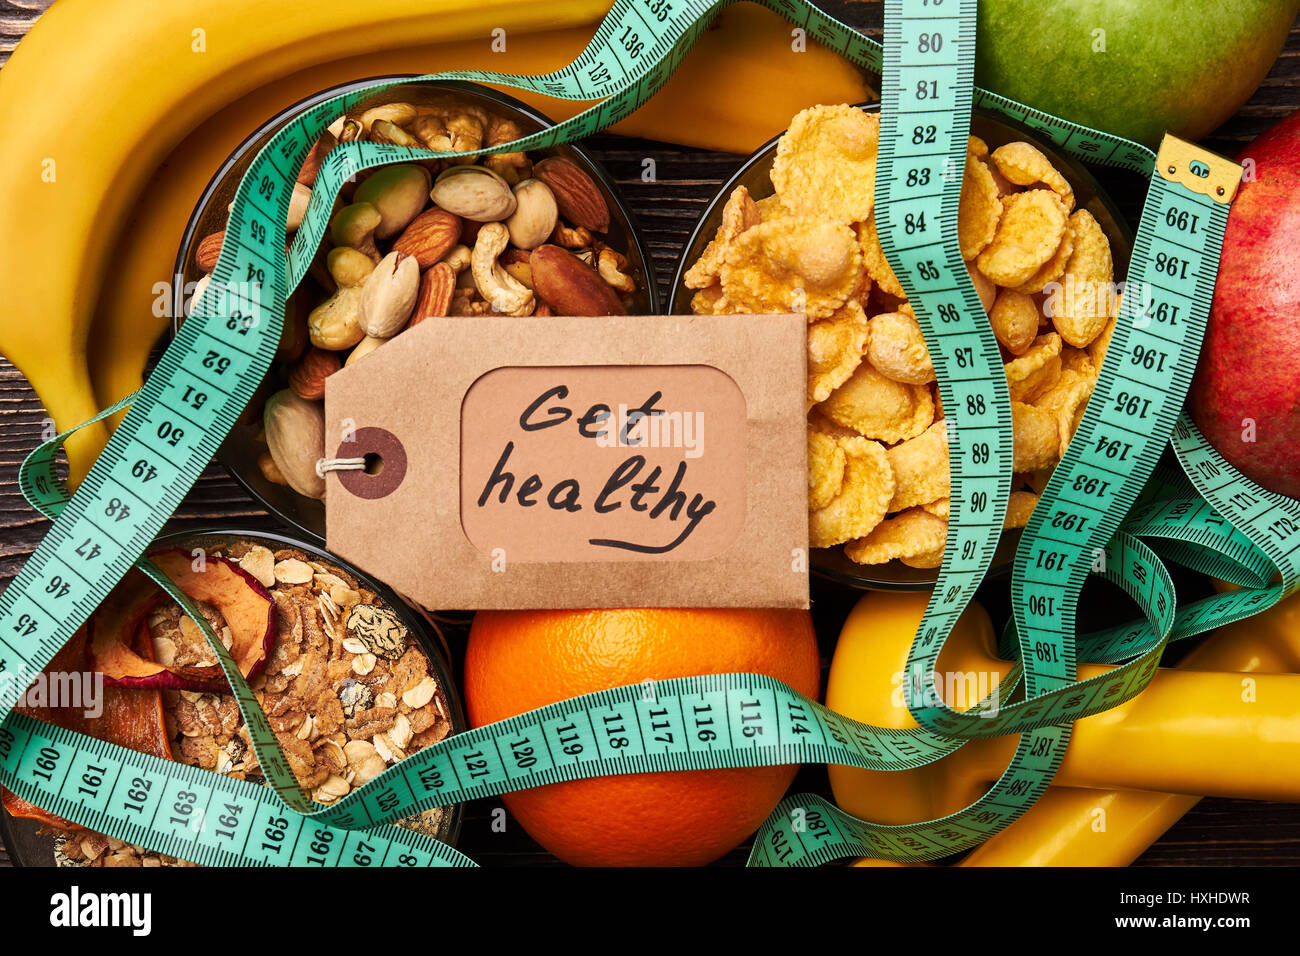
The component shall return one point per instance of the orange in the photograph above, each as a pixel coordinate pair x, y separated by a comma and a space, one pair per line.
520, 660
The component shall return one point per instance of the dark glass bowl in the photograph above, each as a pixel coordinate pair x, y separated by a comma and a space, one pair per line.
755, 174
238, 453
27, 847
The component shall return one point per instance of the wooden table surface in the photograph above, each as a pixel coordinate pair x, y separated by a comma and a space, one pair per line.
1216, 832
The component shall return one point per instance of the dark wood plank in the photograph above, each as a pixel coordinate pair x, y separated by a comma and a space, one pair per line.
1228, 832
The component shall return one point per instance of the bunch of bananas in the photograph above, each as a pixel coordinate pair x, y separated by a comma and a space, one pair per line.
115, 113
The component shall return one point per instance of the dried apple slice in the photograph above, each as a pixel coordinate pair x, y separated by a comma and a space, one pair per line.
131, 718
246, 606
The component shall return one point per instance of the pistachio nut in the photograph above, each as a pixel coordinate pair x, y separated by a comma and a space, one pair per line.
535, 214
388, 295
398, 192
354, 226
475, 193
350, 130
295, 436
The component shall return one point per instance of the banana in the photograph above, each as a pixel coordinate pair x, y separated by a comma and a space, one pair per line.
749, 50
100, 91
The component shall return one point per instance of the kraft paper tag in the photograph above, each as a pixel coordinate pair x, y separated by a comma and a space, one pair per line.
577, 462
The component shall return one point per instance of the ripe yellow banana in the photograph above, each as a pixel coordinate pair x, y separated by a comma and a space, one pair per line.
739, 86
101, 91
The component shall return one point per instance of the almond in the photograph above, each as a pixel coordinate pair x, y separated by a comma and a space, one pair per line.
569, 285
429, 237
209, 250
307, 378
311, 165
576, 194
437, 286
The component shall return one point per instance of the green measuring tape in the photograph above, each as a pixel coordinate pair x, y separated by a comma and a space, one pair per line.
222, 352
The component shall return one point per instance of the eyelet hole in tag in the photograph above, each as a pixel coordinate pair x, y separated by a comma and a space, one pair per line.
385, 466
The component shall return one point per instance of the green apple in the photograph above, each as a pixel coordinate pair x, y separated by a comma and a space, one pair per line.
1138, 68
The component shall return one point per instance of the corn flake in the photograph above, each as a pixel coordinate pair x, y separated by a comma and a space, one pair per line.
826, 163
920, 467
740, 213
1077, 360
984, 287
1051, 270
835, 349
1020, 507
710, 301
925, 560
1014, 318
820, 423
1066, 401
1025, 165
1028, 234
860, 505
979, 210
1033, 373
910, 534
1037, 441
792, 265
826, 462
896, 347
1098, 346
939, 508
874, 261
769, 208
878, 407
1084, 304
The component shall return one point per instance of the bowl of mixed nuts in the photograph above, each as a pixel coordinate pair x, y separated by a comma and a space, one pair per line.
538, 233
793, 231
351, 678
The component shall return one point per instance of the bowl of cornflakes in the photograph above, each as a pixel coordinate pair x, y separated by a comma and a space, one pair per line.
793, 231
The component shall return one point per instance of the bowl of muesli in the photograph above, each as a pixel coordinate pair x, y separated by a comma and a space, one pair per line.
351, 678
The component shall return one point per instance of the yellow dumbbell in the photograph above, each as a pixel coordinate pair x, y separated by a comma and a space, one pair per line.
1191, 732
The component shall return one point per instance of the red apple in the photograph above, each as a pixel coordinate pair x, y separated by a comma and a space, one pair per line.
1246, 393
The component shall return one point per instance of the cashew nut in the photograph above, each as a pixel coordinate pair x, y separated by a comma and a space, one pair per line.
458, 258
507, 295
610, 265
335, 323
